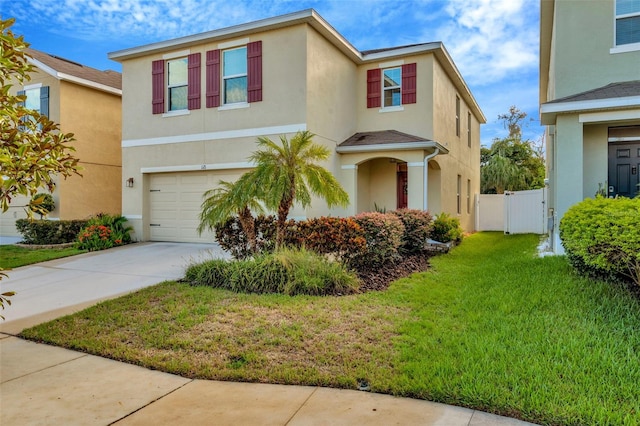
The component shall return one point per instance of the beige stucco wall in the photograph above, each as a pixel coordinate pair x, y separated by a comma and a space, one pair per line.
582, 40
94, 117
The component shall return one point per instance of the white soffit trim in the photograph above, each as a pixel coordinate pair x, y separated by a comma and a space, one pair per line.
407, 146
74, 79
227, 134
197, 167
595, 117
627, 101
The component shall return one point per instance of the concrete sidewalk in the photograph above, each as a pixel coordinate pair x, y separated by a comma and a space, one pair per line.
42, 384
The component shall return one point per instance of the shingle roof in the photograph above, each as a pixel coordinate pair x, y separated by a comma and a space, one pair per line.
108, 78
381, 137
614, 90
387, 49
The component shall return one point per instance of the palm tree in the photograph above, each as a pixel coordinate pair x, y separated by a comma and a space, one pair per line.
227, 200
287, 174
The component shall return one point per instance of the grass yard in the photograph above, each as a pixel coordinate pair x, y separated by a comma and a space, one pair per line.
13, 256
490, 327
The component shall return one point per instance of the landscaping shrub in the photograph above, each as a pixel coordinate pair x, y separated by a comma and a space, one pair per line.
232, 238
341, 237
446, 229
417, 227
601, 237
43, 232
288, 271
383, 234
104, 231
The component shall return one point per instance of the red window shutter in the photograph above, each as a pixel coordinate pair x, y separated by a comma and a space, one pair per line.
409, 84
213, 78
193, 81
374, 88
254, 71
157, 85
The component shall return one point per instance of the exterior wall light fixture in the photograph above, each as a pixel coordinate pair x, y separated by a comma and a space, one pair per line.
130, 182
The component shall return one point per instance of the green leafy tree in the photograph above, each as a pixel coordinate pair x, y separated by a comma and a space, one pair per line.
230, 199
511, 164
287, 173
33, 151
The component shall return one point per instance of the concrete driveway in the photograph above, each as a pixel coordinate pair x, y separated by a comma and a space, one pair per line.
46, 289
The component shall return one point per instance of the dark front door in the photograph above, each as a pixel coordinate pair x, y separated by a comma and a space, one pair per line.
624, 165
402, 189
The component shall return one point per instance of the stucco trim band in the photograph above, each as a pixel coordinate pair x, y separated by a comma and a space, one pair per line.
198, 167
225, 134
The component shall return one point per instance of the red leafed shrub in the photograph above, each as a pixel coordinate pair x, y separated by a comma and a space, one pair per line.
232, 238
417, 227
383, 232
342, 237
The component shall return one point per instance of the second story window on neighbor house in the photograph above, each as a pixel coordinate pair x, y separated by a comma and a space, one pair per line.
391, 87
37, 98
177, 84
457, 116
234, 75
627, 22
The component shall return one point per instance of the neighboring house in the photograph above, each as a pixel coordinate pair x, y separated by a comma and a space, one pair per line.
86, 102
590, 100
401, 124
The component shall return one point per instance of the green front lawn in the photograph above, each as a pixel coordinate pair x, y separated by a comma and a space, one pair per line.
490, 327
14, 256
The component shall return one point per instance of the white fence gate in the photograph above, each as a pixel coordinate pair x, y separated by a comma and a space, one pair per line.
521, 212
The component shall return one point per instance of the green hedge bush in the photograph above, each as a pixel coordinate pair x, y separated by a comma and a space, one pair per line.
417, 228
601, 237
446, 229
43, 232
287, 271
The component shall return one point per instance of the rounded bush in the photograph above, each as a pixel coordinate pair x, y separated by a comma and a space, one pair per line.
417, 227
601, 237
383, 233
446, 229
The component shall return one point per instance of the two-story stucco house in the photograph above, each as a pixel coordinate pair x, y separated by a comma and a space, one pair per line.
87, 103
590, 100
401, 124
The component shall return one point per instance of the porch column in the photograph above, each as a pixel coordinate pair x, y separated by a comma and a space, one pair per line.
415, 176
350, 184
569, 173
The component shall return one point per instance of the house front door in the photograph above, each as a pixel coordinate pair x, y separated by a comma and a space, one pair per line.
402, 189
624, 169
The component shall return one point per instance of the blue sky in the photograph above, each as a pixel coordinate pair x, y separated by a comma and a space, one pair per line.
494, 43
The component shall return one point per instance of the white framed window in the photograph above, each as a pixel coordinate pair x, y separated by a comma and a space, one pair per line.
459, 194
469, 129
234, 75
392, 87
177, 84
457, 116
627, 25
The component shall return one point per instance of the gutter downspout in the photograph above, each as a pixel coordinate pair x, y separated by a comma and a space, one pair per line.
426, 177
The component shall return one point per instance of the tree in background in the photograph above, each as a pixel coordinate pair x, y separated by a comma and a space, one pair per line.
511, 164
33, 151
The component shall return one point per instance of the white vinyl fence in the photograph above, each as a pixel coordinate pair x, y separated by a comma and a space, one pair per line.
521, 212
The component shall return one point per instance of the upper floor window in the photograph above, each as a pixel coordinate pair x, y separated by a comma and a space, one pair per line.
234, 66
627, 22
37, 99
469, 129
177, 84
391, 87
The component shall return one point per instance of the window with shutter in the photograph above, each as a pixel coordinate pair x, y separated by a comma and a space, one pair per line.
392, 87
627, 22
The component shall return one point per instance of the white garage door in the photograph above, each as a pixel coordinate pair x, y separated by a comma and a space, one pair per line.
175, 200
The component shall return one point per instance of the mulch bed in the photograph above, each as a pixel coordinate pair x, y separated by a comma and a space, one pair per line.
379, 279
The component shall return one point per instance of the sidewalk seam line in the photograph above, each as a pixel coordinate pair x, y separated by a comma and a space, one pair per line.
151, 402
302, 405
82, 355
